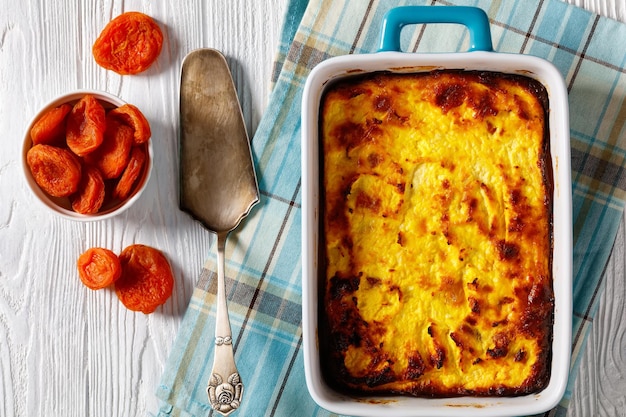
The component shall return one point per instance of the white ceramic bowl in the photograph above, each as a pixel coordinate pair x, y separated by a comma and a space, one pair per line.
391, 406
62, 206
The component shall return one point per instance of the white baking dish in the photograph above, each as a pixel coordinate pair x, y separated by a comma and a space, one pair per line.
480, 57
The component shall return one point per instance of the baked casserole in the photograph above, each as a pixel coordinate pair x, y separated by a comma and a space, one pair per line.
435, 262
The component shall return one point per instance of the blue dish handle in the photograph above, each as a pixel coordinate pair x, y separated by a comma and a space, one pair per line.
473, 18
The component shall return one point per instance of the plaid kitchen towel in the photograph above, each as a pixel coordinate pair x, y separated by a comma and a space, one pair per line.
264, 269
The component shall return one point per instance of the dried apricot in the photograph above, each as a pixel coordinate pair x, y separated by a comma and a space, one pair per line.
90, 195
50, 127
87, 152
112, 156
133, 117
131, 173
57, 171
128, 44
147, 280
98, 268
86, 124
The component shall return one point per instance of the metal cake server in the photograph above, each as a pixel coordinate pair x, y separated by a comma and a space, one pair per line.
218, 187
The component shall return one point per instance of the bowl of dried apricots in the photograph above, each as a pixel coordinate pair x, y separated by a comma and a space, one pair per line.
87, 155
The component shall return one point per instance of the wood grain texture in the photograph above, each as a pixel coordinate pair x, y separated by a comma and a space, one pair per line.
66, 350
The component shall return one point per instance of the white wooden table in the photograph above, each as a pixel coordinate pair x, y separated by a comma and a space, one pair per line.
68, 351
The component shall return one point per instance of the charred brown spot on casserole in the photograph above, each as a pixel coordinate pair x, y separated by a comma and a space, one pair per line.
449, 96
437, 222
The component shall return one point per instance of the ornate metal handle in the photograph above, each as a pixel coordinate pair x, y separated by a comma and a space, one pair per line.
224, 388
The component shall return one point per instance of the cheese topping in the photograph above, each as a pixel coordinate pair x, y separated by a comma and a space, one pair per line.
437, 234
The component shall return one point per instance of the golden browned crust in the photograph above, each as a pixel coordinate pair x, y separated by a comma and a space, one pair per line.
436, 264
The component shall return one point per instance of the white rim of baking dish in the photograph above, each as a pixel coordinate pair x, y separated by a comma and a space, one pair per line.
392, 406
